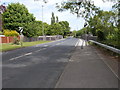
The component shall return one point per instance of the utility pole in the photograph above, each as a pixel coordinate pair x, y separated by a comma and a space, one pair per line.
44, 38
43, 25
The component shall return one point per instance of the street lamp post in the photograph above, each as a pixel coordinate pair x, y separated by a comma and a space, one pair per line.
43, 25
42, 20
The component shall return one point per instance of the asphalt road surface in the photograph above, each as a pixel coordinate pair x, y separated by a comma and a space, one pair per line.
38, 66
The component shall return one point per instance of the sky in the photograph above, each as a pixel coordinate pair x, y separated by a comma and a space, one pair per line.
35, 7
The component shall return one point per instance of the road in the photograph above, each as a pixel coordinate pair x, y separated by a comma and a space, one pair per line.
38, 66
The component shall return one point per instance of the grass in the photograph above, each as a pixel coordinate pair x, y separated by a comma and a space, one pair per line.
106, 51
10, 46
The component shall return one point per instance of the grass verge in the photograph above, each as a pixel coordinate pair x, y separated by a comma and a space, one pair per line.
106, 51
10, 46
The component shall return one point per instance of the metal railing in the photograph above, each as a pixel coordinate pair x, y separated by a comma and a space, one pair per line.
106, 46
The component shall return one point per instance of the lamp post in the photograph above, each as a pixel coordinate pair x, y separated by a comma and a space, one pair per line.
45, 1
43, 25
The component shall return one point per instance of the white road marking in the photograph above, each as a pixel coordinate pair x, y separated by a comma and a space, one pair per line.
37, 50
81, 43
43, 48
58, 43
34, 51
45, 45
27, 54
77, 43
20, 56
16, 57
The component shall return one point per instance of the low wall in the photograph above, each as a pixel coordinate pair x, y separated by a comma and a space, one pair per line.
4, 39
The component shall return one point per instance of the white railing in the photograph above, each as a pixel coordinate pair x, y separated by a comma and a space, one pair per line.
107, 47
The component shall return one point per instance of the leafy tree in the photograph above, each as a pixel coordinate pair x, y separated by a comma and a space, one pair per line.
65, 27
17, 15
57, 19
33, 29
56, 29
104, 21
82, 8
47, 30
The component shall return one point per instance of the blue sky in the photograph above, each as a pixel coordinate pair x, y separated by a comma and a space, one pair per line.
35, 8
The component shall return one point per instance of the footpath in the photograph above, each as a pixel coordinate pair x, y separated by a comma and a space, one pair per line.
86, 69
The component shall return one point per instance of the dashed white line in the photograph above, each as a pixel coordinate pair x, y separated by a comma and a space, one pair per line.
25, 54
16, 57
37, 50
45, 45
58, 43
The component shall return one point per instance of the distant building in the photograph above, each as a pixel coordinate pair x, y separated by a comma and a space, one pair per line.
2, 9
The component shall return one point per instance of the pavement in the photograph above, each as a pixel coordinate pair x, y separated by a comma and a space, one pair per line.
86, 69
59, 64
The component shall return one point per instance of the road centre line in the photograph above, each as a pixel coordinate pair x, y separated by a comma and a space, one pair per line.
20, 56
32, 52
16, 57
45, 45
58, 43
26, 54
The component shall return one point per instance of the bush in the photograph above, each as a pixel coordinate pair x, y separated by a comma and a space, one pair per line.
16, 40
10, 33
13, 33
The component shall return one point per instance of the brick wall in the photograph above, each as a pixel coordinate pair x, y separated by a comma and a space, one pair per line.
4, 39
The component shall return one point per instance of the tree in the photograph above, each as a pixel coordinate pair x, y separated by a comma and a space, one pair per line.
103, 21
65, 27
56, 29
47, 30
57, 19
83, 8
17, 15
52, 19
